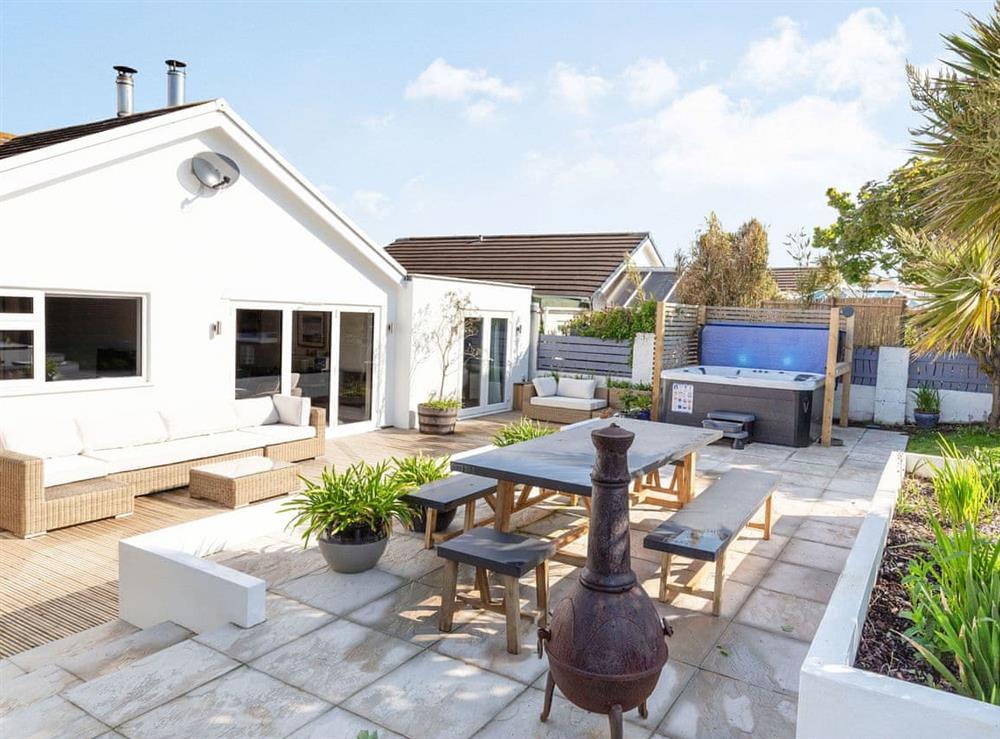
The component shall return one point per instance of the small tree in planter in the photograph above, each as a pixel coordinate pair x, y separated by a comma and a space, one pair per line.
928, 406
350, 513
439, 413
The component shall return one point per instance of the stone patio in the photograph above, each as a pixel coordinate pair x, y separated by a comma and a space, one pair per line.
342, 653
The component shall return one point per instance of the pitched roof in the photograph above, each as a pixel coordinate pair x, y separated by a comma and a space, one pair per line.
41, 139
572, 265
788, 277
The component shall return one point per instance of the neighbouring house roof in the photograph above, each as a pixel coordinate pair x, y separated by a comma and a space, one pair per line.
41, 139
656, 283
572, 265
788, 277
5, 137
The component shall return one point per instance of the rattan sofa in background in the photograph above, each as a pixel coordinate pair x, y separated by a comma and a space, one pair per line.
63, 483
559, 408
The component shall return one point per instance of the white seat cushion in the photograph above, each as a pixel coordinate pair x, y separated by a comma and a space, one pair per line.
210, 417
292, 411
72, 468
576, 404
43, 437
279, 433
570, 387
545, 386
255, 412
117, 430
177, 450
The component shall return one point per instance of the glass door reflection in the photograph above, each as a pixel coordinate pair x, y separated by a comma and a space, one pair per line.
356, 358
496, 392
472, 363
311, 354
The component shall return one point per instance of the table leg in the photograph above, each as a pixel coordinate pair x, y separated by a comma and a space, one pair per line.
512, 608
470, 516
720, 578
505, 504
430, 523
687, 482
448, 595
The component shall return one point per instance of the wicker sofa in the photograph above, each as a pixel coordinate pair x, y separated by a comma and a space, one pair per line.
566, 400
68, 471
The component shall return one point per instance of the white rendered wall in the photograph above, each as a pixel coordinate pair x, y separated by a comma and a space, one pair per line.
136, 223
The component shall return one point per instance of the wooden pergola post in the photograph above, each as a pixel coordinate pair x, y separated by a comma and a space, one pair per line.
829, 388
845, 384
657, 359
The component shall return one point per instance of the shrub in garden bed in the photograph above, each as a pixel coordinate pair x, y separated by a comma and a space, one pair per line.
523, 430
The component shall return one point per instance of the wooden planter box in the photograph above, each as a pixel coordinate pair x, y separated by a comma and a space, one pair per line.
522, 391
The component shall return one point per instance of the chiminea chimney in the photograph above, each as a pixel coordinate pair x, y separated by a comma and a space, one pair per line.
175, 82
124, 86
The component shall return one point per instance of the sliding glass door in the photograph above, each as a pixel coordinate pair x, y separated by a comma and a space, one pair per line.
472, 363
485, 360
355, 367
258, 353
311, 360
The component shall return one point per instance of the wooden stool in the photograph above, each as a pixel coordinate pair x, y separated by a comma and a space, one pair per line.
509, 555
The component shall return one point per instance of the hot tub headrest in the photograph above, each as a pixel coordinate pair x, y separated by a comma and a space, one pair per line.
776, 346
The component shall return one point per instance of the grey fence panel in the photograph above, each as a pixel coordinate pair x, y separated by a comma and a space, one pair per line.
584, 354
948, 372
865, 368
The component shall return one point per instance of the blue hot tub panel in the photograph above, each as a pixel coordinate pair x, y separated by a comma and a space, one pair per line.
765, 346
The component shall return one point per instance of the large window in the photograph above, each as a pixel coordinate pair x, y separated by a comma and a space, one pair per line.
357, 351
17, 355
16, 304
258, 353
92, 337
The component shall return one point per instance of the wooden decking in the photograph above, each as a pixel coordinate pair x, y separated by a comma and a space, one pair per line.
67, 580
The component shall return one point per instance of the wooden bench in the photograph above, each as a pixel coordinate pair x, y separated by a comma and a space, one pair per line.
509, 555
447, 494
706, 526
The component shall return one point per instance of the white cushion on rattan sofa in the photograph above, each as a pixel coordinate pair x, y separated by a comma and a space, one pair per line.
256, 412
47, 438
177, 450
545, 386
293, 411
201, 419
570, 387
280, 433
576, 404
72, 468
114, 431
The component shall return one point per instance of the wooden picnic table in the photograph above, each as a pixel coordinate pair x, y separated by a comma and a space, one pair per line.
562, 463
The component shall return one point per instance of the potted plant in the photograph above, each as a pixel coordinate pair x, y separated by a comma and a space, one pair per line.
438, 416
350, 513
927, 412
636, 405
440, 338
412, 472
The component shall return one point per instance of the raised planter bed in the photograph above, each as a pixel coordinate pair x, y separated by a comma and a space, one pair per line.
840, 701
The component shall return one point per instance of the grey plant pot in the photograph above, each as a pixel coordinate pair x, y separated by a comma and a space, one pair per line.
925, 420
351, 558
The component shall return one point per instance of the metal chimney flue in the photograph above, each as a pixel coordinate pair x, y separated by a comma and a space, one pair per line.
176, 75
124, 88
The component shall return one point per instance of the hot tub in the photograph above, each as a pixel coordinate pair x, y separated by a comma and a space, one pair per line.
788, 404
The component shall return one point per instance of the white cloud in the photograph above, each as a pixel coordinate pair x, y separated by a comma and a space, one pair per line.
649, 81
590, 171
578, 89
475, 87
372, 202
865, 56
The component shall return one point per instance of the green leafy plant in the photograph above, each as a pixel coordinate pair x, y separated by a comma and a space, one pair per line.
442, 404
626, 385
955, 608
414, 471
988, 462
354, 505
367, 734
616, 323
958, 486
523, 430
927, 399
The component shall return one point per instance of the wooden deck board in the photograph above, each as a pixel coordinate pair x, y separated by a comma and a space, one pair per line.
67, 581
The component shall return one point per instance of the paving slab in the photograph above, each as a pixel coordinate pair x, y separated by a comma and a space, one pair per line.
782, 614
337, 723
33, 686
150, 682
8, 671
827, 533
276, 561
483, 642
336, 661
242, 703
339, 593
758, 657
52, 717
803, 582
412, 699
694, 633
406, 557
410, 613
84, 641
814, 554
113, 655
287, 619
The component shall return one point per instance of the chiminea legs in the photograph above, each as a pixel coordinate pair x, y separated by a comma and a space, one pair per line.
643, 710
550, 685
615, 721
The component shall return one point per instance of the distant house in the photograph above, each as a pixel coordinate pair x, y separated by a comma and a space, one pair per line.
787, 279
586, 270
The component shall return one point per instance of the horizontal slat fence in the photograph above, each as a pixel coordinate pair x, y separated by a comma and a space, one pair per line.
865, 370
877, 321
948, 372
777, 313
584, 354
680, 335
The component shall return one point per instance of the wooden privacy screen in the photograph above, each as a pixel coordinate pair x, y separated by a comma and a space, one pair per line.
877, 321
677, 329
584, 354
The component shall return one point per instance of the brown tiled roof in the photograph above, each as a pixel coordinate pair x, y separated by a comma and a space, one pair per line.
788, 277
41, 139
572, 265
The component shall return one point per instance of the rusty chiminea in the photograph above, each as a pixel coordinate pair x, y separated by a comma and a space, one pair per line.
606, 643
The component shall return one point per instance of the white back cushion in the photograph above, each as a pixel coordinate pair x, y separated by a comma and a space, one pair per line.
544, 386
293, 411
118, 430
256, 412
51, 437
209, 417
573, 388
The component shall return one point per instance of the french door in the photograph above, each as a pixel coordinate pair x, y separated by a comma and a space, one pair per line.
485, 363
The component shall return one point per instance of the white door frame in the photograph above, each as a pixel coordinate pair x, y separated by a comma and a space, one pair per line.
484, 407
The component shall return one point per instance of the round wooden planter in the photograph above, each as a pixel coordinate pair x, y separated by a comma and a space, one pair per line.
434, 421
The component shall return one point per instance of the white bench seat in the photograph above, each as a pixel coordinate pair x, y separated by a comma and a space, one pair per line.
576, 404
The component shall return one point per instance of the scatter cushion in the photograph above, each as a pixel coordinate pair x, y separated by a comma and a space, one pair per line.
292, 411
570, 387
118, 430
72, 468
280, 433
202, 419
256, 412
51, 437
576, 404
545, 386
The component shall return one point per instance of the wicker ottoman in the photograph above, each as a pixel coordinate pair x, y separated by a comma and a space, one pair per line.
238, 482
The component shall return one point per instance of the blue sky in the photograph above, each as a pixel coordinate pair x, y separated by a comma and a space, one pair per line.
505, 118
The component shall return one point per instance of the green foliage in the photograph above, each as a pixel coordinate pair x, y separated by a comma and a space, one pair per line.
821, 279
635, 401
442, 404
366, 734
958, 486
616, 324
954, 593
863, 239
725, 268
965, 439
523, 430
988, 463
927, 399
362, 497
626, 385
414, 471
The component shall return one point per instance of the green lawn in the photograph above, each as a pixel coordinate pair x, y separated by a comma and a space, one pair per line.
966, 438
